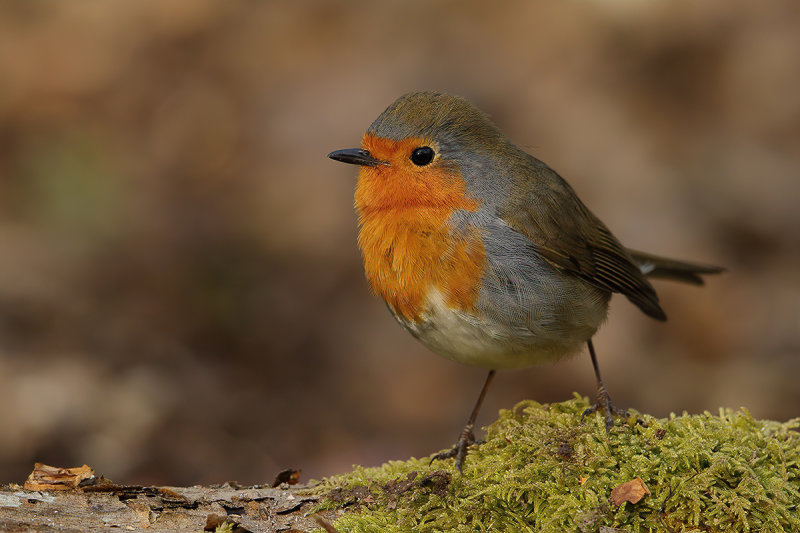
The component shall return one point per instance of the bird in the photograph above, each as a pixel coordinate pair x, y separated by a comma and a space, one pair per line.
483, 252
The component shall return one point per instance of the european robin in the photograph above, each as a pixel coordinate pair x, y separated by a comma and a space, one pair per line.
483, 252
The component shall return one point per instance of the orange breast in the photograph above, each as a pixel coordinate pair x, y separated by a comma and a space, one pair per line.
406, 244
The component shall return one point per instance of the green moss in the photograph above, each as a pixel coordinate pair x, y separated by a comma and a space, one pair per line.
542, 470
226, 527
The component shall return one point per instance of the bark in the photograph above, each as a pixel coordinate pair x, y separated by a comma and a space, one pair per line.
111, 507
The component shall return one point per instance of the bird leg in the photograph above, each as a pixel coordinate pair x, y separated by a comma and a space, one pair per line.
603, 401
467, 437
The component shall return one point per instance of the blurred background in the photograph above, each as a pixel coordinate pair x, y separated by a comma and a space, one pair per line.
181, 295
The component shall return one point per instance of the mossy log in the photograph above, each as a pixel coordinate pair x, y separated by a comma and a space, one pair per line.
541, 469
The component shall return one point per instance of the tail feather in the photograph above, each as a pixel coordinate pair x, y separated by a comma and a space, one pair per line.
654, 266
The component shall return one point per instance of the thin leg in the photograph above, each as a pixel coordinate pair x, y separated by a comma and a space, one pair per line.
467, 437
603, 402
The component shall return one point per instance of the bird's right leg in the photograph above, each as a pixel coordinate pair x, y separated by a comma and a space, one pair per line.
467, 437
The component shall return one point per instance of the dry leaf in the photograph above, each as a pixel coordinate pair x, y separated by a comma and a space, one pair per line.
288, 476
324, 524
45, 477
215, 522
631, 491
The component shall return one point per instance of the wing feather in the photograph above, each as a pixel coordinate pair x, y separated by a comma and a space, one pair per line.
564, 232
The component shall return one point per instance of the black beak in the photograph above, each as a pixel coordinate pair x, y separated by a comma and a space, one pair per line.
356, 156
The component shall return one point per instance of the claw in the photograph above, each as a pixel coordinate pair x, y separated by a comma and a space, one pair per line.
459, 451
604, 404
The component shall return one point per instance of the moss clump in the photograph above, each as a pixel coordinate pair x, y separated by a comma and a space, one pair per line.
542, 470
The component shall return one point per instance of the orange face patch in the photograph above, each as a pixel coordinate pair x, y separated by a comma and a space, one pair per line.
405, 241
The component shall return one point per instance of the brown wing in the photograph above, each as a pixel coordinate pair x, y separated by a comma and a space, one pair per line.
563, 231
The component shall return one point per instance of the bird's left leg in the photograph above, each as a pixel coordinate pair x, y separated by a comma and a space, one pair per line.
603, 400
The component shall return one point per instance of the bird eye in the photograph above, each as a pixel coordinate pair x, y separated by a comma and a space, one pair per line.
422, 156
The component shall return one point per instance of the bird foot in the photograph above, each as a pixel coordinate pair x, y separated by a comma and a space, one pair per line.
604, 405
459, 451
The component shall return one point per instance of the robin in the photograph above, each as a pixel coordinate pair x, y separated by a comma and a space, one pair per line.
483, 252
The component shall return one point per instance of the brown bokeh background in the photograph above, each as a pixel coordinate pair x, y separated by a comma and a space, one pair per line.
181, 296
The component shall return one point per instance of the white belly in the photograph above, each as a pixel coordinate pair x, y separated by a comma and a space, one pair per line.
487, 343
